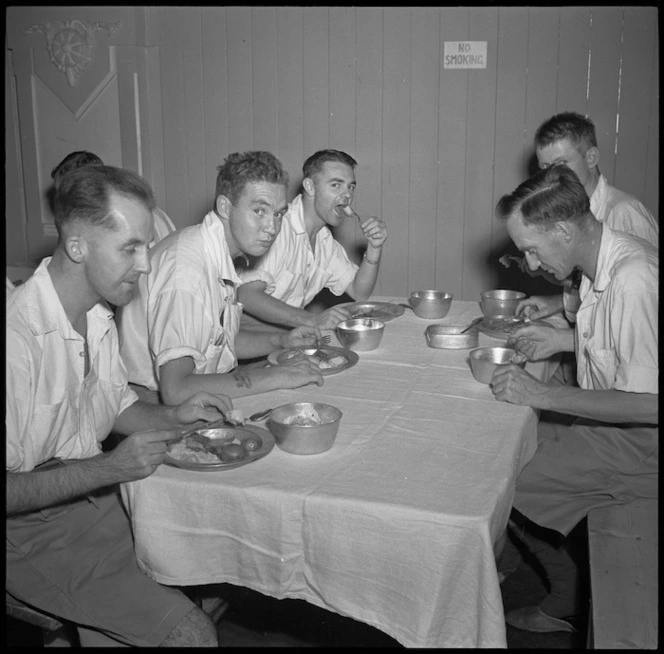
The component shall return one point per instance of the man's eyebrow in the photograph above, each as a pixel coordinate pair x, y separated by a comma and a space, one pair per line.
339, 179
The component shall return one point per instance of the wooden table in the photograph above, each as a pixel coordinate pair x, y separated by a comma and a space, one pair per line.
394, 526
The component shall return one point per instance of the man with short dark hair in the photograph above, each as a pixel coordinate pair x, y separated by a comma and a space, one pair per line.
182, 333
305, 258
69, 544
609, 452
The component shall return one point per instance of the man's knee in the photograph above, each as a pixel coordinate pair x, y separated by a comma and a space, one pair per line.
196, 629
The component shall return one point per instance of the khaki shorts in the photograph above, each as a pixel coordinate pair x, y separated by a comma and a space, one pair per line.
77, 562
583, 466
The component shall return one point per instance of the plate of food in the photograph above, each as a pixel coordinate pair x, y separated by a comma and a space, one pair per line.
382, 311
222, 448
505, 326
334, 359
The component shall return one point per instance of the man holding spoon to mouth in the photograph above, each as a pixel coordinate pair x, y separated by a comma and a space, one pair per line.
305, 257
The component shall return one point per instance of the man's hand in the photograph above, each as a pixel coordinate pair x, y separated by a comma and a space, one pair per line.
139, 455
514, 385
538, 342
298, 371
203, 406
375, 231
302, 336
539, 305
330, 318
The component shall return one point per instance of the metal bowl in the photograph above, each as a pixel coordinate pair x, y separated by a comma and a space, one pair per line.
500, 302
360, 334
449, 337
484, 361
304, 438
430, 304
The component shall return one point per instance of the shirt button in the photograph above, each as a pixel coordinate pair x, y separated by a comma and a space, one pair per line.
81, 354
585, 334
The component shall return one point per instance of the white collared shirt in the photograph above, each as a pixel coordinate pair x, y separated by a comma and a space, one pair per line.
298, 272
185, 307
53, 408
617, 322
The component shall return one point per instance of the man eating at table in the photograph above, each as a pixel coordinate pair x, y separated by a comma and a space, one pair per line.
306, 258
70, 550
607, 453
182, 334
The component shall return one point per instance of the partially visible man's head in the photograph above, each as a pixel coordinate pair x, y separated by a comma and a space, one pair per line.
314, 164
239, 169
569, 138
567, 125
73, 161
544, 216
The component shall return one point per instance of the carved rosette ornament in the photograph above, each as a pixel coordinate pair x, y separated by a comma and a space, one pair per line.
70, 44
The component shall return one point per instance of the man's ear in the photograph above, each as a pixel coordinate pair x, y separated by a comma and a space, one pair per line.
308, 186
223, 206
76, 248
592, 157
564, 231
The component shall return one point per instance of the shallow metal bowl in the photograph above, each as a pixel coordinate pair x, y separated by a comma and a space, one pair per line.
500, 302
484, 361
360, 334
430, 304
450, 337
304, 438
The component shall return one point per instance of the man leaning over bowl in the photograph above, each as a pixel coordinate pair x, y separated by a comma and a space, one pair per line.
608, 451
181, 333
305, 257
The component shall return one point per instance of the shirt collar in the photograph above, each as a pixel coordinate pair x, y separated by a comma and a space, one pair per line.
598, 197
215, 241
45, 312
603, 272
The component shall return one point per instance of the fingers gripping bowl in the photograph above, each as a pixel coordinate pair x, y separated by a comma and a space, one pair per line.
304, 427
484, 361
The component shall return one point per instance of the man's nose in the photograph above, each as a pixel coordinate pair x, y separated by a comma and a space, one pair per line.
144, 266
533, 262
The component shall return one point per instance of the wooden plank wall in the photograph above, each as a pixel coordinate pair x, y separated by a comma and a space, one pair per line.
436, 148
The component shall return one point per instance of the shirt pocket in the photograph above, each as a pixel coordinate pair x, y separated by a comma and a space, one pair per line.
602, 367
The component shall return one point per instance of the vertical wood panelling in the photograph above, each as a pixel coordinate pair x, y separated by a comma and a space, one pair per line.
572, 77
264, 77
477, 268
510, 139
315, 79
543, 30
290, 93
638, 42
452, 138
343, 104
240, 105
604, 79
215, 93
368, 131
651, 198
425, 60
396, 144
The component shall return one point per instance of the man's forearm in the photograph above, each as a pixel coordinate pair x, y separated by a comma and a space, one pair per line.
144, 415
366, 276
606, 406
270, 309
30, 491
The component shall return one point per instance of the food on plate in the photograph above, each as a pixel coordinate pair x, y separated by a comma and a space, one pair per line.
232, 452
304, 417
323, 363
518, 358
227, 447
251, 443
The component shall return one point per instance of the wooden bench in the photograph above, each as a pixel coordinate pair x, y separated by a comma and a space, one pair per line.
622, 550
54, 632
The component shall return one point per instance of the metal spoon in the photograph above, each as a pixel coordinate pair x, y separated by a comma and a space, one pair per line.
260, 415
472, 324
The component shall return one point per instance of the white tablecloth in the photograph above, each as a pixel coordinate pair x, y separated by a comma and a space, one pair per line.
394, 526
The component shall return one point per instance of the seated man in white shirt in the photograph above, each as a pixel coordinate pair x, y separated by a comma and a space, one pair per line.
607, 453
569, 138
163, 225
305, 258
70, 550
182, 333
